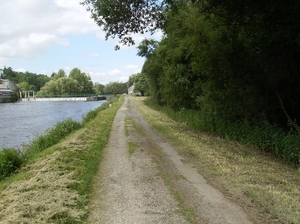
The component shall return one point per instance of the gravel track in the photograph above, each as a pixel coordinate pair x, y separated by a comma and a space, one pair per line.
150, 183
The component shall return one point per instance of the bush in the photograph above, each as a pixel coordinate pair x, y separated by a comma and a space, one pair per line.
10, 161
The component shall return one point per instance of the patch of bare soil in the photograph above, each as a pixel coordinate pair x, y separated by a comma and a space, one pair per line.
142, 179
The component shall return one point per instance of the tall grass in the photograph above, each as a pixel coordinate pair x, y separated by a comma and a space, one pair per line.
93, 113
10, 161
54, 135
266, 137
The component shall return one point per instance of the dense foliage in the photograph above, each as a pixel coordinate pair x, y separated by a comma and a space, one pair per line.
27, 80
61, 87
10, 161
140, 82
115, 88
123, 18
235, 63
76, 83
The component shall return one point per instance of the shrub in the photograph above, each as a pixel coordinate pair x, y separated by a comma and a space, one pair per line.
10, 161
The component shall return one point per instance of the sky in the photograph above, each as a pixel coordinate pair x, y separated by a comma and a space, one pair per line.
43, 36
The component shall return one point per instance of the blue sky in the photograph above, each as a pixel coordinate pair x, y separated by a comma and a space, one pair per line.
43, 36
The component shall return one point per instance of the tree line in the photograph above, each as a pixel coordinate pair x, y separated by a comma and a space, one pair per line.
61, 84
234, 63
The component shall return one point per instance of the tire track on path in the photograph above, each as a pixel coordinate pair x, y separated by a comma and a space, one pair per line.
131, 188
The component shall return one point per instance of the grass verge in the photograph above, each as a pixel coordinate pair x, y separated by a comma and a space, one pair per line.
262, 185
55, 186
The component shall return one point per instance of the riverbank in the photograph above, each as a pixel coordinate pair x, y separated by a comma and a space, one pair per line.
55, 186
24, 121
90, 98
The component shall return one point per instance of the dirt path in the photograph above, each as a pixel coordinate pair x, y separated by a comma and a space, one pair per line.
143, 180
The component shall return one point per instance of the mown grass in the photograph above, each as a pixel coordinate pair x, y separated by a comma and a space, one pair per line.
11, 160
265, 137
260, 183
55, 185
53, 136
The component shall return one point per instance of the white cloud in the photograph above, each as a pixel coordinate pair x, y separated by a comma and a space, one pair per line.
114, 72
21, 70
123, 78
46, 35
30, 45
33, 26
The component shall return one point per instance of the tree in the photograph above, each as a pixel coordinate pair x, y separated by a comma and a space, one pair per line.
64, 86
131, 80
83, 80
41, 80
8, 73
123, 18
98, 88
60, 74
147, 47
24, 86
33, 80
115, 88
140, 82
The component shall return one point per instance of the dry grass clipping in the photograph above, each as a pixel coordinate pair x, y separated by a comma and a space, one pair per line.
41, 197
226, 163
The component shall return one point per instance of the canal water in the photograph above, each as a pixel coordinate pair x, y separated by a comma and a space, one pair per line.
23, 121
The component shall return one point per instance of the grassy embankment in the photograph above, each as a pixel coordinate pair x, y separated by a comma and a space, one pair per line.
256, 180
53, 184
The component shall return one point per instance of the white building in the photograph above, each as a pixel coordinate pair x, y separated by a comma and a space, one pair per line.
7, 88
131, 91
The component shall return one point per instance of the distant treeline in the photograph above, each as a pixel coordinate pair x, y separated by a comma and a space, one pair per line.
60, 83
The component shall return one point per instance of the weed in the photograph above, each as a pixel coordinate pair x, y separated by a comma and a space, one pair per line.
128, 123
183, 209
131, 147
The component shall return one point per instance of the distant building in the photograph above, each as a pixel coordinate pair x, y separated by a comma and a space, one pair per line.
7, 90
131, 91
